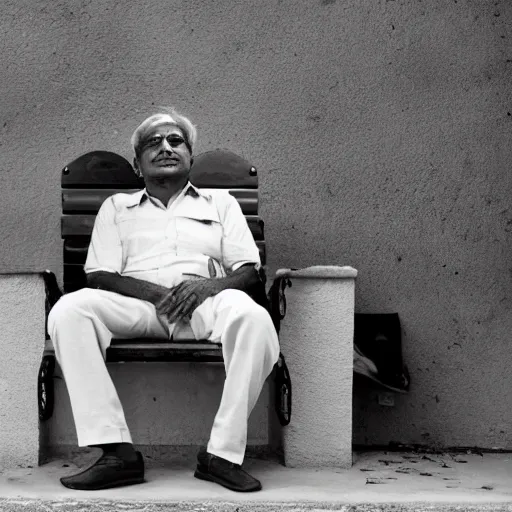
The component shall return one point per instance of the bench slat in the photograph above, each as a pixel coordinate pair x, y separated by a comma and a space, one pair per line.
157, 350
222, 169
104, 169
192, 342
121, 351
100, 169
82, 224
90, 200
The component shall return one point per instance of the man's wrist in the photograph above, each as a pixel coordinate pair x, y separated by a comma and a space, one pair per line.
241, 279
218, 284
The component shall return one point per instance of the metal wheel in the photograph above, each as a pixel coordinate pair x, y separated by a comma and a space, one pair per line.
45, 391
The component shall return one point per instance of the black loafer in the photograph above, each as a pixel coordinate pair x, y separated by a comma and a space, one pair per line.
223, 472
108, 471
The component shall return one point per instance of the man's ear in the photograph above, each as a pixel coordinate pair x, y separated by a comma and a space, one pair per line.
136, 167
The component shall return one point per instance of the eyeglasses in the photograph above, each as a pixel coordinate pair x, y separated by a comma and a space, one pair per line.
154, 141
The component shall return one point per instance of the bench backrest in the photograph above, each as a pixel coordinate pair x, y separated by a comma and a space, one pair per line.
91, 178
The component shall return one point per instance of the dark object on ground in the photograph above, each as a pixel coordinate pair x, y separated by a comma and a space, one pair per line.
378, 350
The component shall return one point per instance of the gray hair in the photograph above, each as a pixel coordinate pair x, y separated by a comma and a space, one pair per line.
165, 115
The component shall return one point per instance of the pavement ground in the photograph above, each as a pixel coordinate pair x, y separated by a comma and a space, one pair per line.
378, 481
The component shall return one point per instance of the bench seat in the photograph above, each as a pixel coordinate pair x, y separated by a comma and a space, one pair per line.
163, 351
157, 350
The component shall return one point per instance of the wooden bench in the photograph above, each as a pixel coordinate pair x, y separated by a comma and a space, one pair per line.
86, 183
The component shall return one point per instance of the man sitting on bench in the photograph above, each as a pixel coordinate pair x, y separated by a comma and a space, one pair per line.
170, 260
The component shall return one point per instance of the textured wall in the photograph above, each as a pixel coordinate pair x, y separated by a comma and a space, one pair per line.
382, 131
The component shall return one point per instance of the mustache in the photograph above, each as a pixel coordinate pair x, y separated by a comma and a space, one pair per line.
159, 158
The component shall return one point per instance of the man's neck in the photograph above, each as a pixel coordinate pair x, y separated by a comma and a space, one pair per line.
165, 190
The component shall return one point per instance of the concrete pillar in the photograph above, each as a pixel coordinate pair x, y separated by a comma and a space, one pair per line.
22, 322
317, 341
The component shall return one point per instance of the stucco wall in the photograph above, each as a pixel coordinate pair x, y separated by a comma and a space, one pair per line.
382, 132
21, 348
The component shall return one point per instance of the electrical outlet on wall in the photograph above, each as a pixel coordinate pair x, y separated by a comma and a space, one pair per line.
386, 398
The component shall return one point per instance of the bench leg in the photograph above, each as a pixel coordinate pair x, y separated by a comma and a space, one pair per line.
22, 302
317, 340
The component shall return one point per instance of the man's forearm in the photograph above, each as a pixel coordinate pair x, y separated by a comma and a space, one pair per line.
129, 286
244, 278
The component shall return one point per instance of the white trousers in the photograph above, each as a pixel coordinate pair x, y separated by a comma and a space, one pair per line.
82, 324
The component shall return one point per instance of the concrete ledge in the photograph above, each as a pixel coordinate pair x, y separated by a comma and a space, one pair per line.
22, 302
319, 272
317, 341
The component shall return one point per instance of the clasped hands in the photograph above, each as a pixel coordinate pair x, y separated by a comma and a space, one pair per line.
183, 299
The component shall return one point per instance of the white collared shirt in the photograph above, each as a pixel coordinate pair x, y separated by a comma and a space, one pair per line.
135, 235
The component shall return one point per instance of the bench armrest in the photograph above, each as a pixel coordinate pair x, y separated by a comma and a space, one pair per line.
53, 292
277, 300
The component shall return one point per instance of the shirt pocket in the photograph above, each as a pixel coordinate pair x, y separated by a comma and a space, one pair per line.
139, 235
198, 236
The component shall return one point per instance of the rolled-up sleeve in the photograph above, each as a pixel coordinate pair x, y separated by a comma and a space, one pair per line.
238, 245
105, 250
